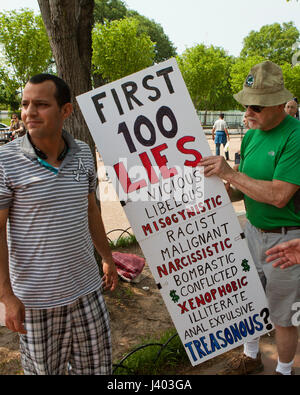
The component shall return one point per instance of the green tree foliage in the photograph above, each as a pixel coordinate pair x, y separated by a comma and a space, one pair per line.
109, 10
272, 42
25, 44
164, 49
118, 49
9, 97
206, 71
291, 75
116, 9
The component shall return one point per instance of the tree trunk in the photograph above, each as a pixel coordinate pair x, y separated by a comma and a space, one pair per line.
69, 27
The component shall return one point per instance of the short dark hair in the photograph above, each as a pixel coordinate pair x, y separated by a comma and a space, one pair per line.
62, 93
221, 115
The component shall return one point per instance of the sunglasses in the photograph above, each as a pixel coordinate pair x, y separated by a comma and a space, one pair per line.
255, 108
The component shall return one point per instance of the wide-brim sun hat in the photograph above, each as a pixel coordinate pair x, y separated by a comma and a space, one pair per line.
264, 86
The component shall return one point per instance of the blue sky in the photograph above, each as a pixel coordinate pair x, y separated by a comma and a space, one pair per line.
222, 23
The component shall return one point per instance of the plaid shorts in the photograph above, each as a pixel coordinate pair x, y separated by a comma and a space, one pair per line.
73, 339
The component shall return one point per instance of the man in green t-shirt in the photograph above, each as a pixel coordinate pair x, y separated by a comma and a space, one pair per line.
268, 179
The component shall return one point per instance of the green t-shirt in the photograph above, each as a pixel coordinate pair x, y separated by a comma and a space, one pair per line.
273, 155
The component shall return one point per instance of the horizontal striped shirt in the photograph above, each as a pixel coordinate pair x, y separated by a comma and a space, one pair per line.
51, 254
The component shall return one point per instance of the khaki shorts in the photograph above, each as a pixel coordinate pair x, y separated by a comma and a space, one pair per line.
282, 286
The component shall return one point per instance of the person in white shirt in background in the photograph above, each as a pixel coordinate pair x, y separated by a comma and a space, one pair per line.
220, 130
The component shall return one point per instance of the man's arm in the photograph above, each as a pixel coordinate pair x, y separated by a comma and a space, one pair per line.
98, 235
276, 193
227, 133
14, 308
213, 133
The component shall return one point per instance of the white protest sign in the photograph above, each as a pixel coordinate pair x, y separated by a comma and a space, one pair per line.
149, 135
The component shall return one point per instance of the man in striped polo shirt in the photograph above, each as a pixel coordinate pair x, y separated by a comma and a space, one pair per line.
49, 279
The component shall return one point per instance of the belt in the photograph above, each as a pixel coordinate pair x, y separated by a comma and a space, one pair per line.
282, 229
